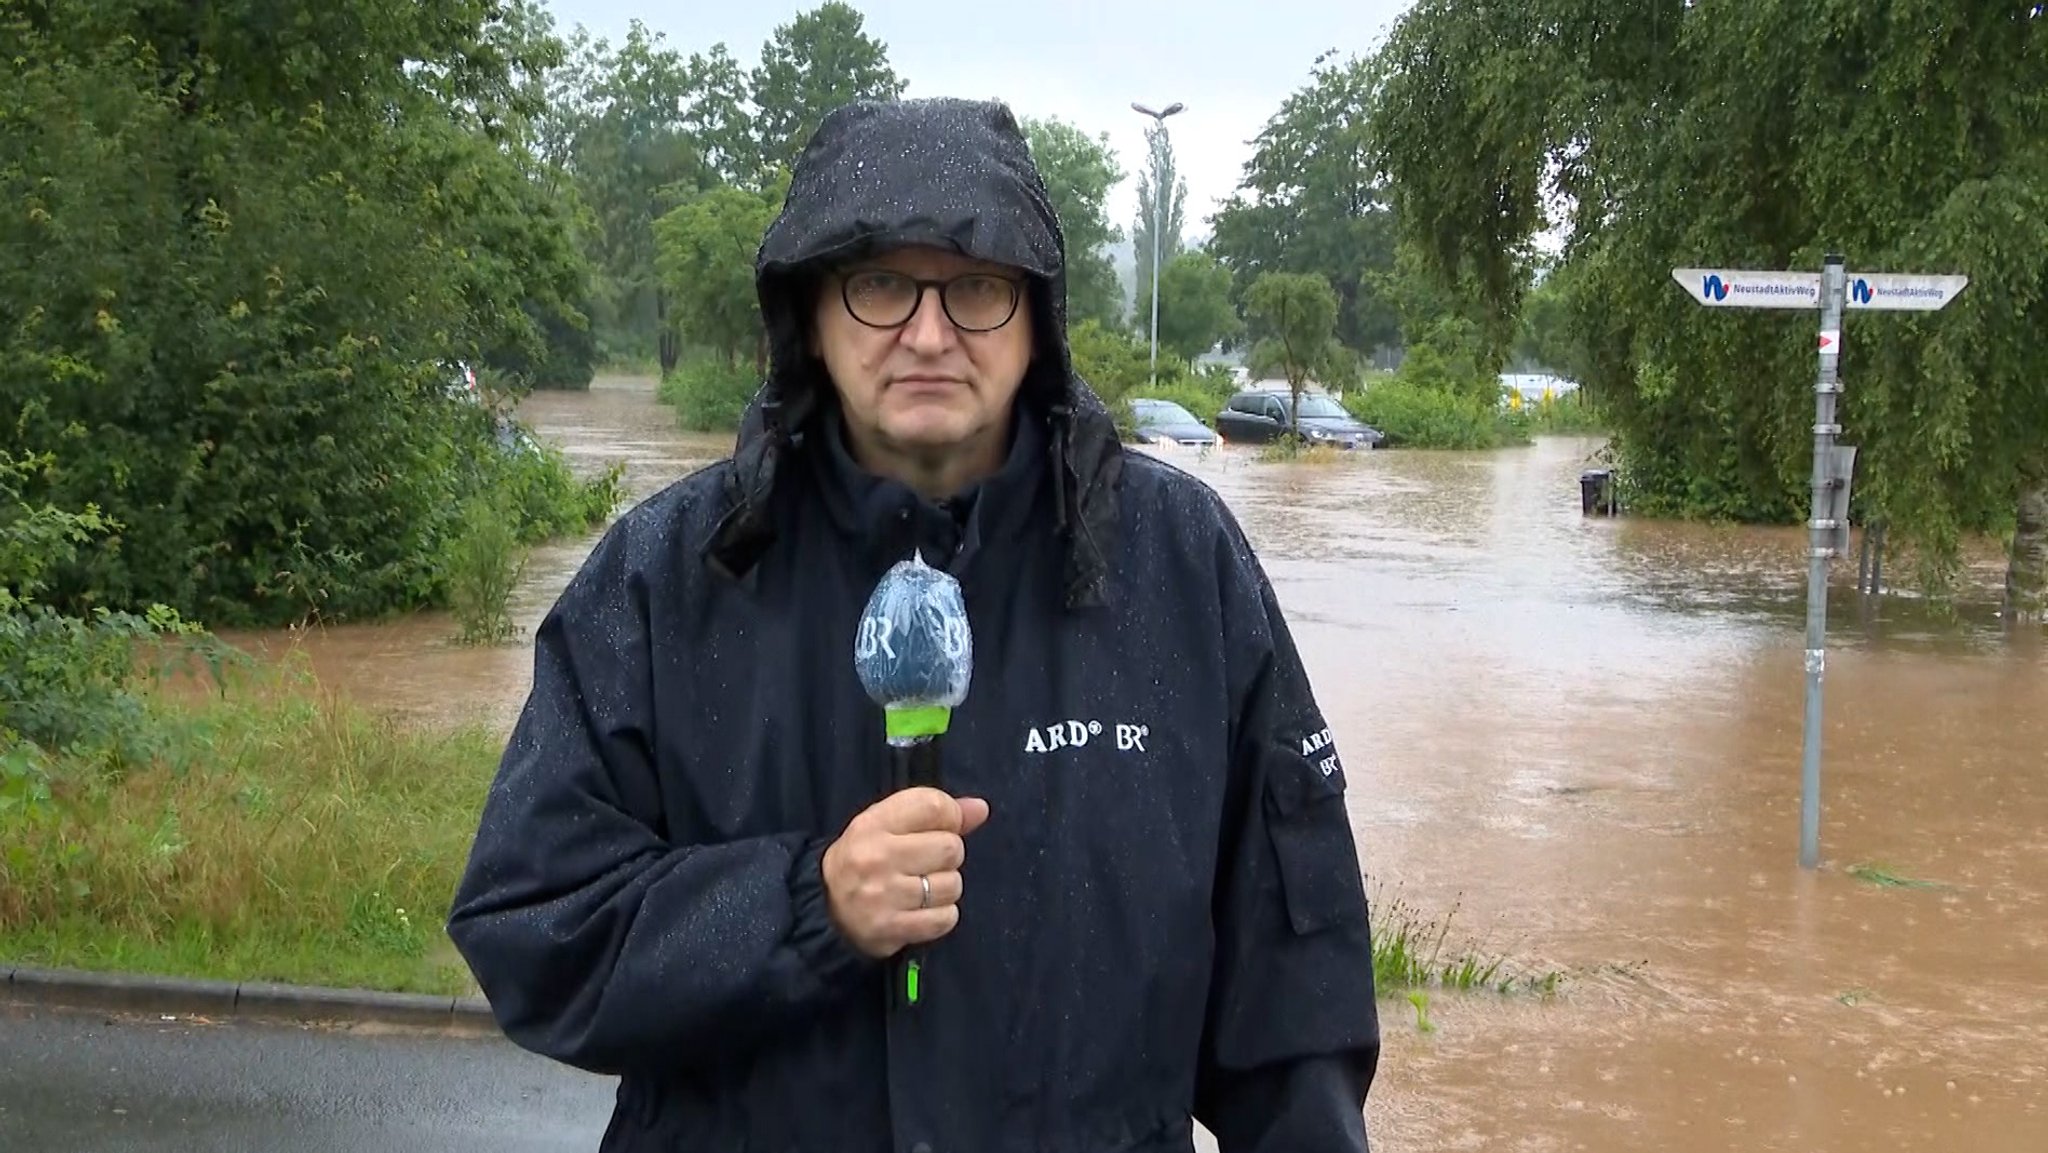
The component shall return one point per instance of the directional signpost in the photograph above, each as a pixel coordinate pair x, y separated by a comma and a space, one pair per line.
1831, 290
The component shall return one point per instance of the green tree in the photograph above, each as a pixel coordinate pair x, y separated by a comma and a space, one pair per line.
809, 66
1195, 312
1079, 173
1543, 338
718, 119
262, 232
1762, 135
1294, 315
1160, 172
707, 248
634, 158
1310, 202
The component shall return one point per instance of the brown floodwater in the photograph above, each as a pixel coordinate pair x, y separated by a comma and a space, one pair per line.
1579, 739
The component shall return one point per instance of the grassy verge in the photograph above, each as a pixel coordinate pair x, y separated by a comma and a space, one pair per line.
273, 835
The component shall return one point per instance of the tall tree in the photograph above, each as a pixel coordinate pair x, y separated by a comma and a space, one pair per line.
1160, 172
707, 248
717, 117
634, 159
809, 66
1079, 173
1309, 201
1195, 312
1762, 134
1295, 317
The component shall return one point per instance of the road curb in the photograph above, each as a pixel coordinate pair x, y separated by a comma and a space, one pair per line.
253, 1000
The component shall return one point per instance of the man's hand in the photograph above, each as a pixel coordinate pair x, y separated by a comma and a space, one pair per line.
872, 870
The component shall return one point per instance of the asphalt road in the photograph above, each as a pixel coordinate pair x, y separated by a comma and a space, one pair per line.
73, 1082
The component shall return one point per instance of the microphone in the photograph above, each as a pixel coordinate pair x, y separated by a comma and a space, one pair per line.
914, 654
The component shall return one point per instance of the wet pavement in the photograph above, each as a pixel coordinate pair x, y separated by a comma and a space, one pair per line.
85, 1083
1580, 738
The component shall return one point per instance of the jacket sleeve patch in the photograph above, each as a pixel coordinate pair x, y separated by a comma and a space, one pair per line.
1311, 834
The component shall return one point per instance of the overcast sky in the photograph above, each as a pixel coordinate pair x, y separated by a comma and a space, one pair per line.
1085, 61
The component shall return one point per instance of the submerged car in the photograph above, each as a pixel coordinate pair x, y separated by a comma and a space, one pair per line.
1164, 422
1261, 416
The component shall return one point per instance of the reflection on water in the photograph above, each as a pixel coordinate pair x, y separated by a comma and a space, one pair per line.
1584, 734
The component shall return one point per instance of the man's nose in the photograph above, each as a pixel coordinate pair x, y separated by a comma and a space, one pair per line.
930, 329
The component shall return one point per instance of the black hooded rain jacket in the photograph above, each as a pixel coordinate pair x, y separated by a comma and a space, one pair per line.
1163, 917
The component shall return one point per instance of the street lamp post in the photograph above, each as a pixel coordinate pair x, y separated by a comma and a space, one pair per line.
1158, 198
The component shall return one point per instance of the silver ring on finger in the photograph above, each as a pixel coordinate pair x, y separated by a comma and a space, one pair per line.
925, 902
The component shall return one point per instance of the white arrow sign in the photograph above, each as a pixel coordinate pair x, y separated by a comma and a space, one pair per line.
1900, 292
1834, 292
1745, 288
1876, 291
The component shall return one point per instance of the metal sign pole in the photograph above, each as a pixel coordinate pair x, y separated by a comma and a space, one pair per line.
1833, 466
1821, 550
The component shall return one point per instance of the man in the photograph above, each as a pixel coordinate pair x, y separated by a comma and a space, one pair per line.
1138, 890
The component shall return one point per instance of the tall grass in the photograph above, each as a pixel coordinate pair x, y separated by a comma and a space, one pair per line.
280, 834
1412, 952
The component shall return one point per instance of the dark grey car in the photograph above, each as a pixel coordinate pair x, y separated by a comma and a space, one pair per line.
1164, 422
1260, 416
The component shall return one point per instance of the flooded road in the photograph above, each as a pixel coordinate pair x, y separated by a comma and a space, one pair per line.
1583, 736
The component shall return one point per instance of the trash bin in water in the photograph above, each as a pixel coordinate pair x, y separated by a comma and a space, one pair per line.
1596, 492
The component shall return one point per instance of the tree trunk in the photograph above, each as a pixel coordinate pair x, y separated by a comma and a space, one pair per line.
668, 347
2026, 572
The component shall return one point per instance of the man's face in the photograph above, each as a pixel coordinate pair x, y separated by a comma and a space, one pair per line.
923, 371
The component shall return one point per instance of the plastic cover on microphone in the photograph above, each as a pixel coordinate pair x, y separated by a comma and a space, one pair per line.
914, 651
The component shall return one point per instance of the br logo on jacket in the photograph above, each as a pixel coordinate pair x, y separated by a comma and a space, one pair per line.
1077, 734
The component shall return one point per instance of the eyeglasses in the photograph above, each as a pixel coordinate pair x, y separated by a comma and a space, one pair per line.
976, 302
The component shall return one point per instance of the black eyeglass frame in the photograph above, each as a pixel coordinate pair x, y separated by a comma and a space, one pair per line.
1016, 286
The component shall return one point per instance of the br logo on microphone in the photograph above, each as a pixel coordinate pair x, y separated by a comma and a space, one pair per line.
914, 647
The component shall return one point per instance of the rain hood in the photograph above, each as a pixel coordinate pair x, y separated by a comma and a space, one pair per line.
949, 173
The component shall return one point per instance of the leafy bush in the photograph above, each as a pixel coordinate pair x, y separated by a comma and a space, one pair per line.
543, 496
484, 564
66, 682
1567, 415
1118, 366
235, 334
1415, 416
710, 393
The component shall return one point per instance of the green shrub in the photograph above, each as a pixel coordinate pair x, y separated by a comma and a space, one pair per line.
1416, 416
1567, 415
545, 499
1118, 366
709, 393
484, 563
68, 683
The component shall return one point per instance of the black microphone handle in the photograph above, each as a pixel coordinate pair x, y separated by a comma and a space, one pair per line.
912, 766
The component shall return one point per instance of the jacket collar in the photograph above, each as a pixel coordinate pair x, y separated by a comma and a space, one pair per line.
888, 519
